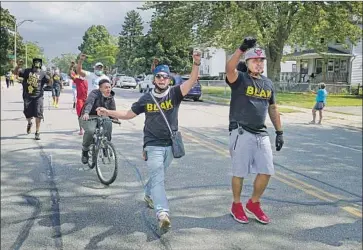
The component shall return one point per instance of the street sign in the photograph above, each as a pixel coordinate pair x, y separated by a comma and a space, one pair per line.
11, 56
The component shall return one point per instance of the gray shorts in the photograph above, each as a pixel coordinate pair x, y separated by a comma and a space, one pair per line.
250, 153
319, 106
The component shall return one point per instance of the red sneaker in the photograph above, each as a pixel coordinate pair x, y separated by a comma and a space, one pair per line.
238, 213
255, 209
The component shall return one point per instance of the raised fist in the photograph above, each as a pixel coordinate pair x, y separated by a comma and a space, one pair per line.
197, 56
248, 42
156, 61
20, 63
82, 57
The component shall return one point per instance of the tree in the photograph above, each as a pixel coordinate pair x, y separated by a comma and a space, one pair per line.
106, 54
136, 58
274, 24
64, 61
33, 51
130, 37
94, 37
7, 40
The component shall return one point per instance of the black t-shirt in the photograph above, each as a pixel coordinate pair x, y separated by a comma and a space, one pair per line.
156, 132
33, 83
250, 99
57, 81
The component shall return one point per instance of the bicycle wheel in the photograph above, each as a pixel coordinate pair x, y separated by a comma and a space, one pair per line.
92, 157
107, 163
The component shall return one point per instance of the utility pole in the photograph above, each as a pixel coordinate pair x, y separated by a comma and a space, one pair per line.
17, 25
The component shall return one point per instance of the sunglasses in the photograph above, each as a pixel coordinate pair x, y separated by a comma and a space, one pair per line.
158, 76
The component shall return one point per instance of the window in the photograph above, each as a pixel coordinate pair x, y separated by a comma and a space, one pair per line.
294, 68
336, 66
304, 66
319, 66
322, 40
343, 65
330, 66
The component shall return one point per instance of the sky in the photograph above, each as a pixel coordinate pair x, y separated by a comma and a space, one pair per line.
58, 27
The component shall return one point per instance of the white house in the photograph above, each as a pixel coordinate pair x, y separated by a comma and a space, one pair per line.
337, 65
214, 62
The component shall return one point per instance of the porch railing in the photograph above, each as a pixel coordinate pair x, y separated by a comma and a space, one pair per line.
330, 77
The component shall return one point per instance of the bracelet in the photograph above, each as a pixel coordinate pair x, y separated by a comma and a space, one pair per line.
197, 64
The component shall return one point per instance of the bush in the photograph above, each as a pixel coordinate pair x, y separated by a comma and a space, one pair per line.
357, 90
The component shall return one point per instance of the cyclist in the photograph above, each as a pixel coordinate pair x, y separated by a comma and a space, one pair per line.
157, 141
92, 77
102, 97
34, 79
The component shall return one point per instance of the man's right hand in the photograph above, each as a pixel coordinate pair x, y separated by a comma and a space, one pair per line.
85, 117
101, 111
248, 42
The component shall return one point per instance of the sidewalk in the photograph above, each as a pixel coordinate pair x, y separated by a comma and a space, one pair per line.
332, 118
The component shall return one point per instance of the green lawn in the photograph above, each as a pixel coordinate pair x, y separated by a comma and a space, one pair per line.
303, 100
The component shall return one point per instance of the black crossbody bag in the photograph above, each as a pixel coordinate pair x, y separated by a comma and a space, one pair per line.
176, 137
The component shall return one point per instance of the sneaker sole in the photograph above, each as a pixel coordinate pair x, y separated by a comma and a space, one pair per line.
261, 221
240, 221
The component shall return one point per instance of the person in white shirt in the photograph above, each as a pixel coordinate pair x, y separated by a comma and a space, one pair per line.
92, 77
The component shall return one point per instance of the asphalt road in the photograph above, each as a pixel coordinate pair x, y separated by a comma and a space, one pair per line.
49, 200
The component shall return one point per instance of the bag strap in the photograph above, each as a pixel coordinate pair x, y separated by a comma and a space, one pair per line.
162, 113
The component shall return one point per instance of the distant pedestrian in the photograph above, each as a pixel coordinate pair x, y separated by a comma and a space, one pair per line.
321, 95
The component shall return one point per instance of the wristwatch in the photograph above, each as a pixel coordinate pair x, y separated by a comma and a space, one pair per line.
197, 64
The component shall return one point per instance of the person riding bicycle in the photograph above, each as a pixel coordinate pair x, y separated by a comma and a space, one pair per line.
34, 80
102, 97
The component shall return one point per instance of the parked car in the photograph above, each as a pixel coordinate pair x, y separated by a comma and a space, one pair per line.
139, 78
65, 78
116, 78
126, 82
195, 93
147, 84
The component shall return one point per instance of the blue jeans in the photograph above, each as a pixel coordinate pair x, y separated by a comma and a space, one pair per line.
159, 159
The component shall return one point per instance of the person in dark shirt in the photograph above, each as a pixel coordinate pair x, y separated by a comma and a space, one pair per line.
157, 139
34, 80
101, 97
252, 97
56, 87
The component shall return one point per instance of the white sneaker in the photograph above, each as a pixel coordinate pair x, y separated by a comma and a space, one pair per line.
164, 221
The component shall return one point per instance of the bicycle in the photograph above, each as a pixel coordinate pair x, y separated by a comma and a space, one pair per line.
101, 150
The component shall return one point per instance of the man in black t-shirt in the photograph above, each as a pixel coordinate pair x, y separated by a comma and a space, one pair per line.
34, 80
252, 97
56, 87
157, 138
